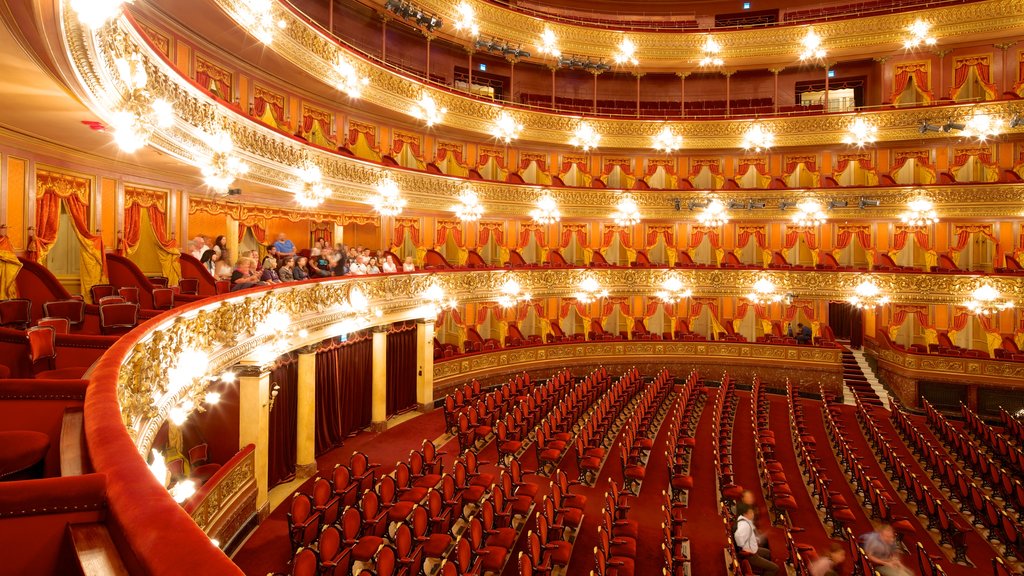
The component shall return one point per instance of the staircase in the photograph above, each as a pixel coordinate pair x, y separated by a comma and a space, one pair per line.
861, 381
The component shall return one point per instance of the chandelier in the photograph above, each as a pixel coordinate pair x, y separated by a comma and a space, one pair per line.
920, 213
548, 44
867, 294
437, 300
348, 80
812, 49
585, 137
711, 49
920, 35
986, 300
667, 141
141, 114
860, 133
982, 126
546, 211
223, 167
506, 128
465, 19
427, 110
96, 13
388, 200
672, 290
626, 53
311, 191
512, 294
763, 292
468, 209
758, 138
809, 214
714, 214
627, 213
590, 291
256, 17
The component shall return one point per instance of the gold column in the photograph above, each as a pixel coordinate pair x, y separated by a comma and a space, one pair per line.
378, 420
254, 425
231, 235
425, 364
305, 420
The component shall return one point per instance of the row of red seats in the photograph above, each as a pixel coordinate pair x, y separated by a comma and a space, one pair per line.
723, 416
615, 554
682, 419
558, 521
775, 484
528, 407
640, 428
1012, 425
602, 427
1009, 454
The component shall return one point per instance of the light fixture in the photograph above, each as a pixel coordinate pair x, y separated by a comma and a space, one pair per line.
757, 138
982, 126
427, 110
257, 17
183, 490
546, 211
950, 125
96, 13
812, 49
626, 53
920, 212
673, 290
590, 290
860, 133
585, 137
223, 166
506, 128
986, 300
867, 294
311, 191
627, 213
548, 43
710, 51
763, 292
212, 398
667, 141
512, 294
809, 214
388, 201
437, 300
926, 127
714, 215
1016, 121
920, 35
347, 79
159, 467
136, 119
465, 19
866, 202
468, 209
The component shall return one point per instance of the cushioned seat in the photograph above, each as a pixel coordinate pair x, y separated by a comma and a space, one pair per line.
72, 373
366, 548
680, 482
559, 552
21, 450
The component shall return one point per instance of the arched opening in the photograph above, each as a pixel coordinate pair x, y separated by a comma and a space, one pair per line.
575, 253
617, 322
801, 253
973, 336
705, 253
660, 322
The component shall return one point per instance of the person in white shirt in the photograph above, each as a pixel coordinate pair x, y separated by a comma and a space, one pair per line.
389, 266
408, 265
198, 247
746, 538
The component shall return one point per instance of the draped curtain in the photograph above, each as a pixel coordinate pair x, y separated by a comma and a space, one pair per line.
901, 160
403, 226
668, 234
697, 306
962, 236
1018, 87
759, 235
451, 228
9, 268
570, 231
487, 229
401, 368
214, 79
344, 371
258, 226
962, 68
807, 307
901, 80
317, 126
697, 234
983, 156
760, 312
154, 204
847, 233
264, 100
993, 339
282, 445
610, 232
843, 163
53, 190
529, 230
900, 314
899, 241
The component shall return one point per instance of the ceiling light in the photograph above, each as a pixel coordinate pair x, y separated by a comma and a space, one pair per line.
626, 212
812, 49
673, 290
96, 13
311, 191
465, 19
920, 35
427, 110
590, 290
512, 294
548, 44
873, 202
986, 300
667, 141
546, 211
626, 53
982, 127
860, 133
710, 50
257, 17
183, 490
140, 115
348, 80
585, 137
763, 292
506, 128
758, 138
468, 209
223, 166
436, 299
212, 398
809, 214
714, 214
920, 213
867, 294
388, 201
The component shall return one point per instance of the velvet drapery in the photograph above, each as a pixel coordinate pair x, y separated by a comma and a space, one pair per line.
401, 368
344, 372
51, 191
154, 204
9, 268
282, 445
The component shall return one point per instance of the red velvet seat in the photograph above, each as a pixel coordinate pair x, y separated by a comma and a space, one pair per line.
59, 325
118, 317
163, 298
199, 463
73, 310
22, 452
98, 291
129, 293
303, 521
42, 345
15, 313
188, 286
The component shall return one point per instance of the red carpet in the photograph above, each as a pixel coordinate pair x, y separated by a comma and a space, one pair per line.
704, 525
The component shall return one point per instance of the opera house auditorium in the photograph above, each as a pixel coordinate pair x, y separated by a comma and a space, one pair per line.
428, 287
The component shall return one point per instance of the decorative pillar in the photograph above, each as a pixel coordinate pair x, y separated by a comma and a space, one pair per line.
469, 69
775, 98
231, 236
254, 425
379, 413
383, 36
429, 37
425, 364
825, 103
596, 73
885, 86
728, 90
942, 71
511, 97
1004, 85
553, 68
682, 92
638, 75
305, 420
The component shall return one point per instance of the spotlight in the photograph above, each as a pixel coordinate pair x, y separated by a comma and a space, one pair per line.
737, 205
757, 205
1016, 121
833, 204
953, 126
677, 204
694, 204
926, 127
786, 204
873, 202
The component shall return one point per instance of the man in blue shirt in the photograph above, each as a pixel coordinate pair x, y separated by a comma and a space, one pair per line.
803, 334
284, 246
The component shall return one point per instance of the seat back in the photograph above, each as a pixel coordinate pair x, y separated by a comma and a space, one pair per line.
434, 259
101, 290
305, 563
685, 259
42, 344
59, 325
72, 310
110, 300
515, 259
946, 264
188, 286
555, 258
826, 260
120, 316
730, 260
642, 259
163, 298
474, 260
598, 259
159, 281
129, 293
779, 260
15, 313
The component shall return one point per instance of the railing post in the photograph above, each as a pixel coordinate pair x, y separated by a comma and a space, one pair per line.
305, 418
379, 412
254, 425
425, 364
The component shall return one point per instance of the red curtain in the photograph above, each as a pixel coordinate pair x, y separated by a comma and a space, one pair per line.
486, 229
811, 164
401, 368
344, 372
281, 448
899, 239
652, 167
48, 202
403, 224
443, 152
489, 309
524, 163
610, 304
524, 310
580, 232
760, 312
354, 132
653, 232
759, 164
921, 159
258, 227
791, 310
714, 167
449, 227
611, 232
847, 234
792, 236
960, 320
652, 307
757, 233
865, 164
220, 86
697, 305
900, 314
962, 235
260, 102
963, 155
963, 70
902, 79
581, 165
133, 224
530, 230
568, 304
399, 143
697, 236
486, 154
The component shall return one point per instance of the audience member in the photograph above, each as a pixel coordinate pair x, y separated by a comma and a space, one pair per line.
209, 261
746, 538
408, 265
372, 267
272, 257
319, 267
220, 245
317, 247
300, 270
270, 275
803, 334
284, 246
828, 564
244, 277
286, 269
389, 266
199, 247
883, 552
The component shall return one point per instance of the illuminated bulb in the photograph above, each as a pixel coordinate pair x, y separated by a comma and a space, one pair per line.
465, 19
626, 53
711, 50
627, 213
506, 128
159, 467
758, 138
183, 490
812, 49
348, 80
227, 377
427, 110
714, 214
982, 127
667, 141
177, 415
548, 43
212, 398
920, 35
468, 209
860, 133
546, 211
96, 13
585, 137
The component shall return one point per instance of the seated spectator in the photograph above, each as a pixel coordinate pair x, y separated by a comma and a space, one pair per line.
803, 334
341, 267
317, 247
199, 247
408, 265
223, 270
884, 552
220, 246
272, 257
299, 272
372, 267
333, 257
829, 563
357, 267
389, 266
270, 275
746, 538
285, 271
244, 277
319, 267
209, 261
284, 246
